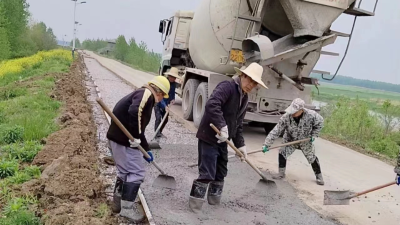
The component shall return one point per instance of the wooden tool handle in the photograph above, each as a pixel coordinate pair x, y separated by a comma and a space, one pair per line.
126, 132
239, 153
159, 126
372, 189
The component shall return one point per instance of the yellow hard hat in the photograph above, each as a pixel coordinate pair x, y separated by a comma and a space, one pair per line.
162, 83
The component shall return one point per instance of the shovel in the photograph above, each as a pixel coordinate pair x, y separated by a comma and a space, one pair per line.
264, 182
154, 144
274, 147
163, 180
343, 197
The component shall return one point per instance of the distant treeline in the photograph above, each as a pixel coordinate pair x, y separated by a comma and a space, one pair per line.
137, 55
20, 37
343, 80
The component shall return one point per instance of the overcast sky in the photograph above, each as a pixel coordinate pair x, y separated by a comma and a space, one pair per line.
373, 54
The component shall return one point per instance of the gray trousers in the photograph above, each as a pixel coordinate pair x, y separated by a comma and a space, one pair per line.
129, 162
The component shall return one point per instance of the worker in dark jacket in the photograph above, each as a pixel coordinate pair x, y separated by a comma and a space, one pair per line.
160, 108
226, 109
134, 112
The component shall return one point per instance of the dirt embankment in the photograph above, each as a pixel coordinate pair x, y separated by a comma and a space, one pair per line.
70, 190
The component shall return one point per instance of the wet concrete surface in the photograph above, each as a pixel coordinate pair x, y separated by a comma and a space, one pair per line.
241, 203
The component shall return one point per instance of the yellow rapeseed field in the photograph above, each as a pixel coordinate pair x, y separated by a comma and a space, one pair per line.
18, 65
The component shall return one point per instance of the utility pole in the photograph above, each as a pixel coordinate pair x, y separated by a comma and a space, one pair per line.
74, 31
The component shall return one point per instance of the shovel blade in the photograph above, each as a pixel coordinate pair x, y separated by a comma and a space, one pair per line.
154, 145
337, 197
165, 181
265, 185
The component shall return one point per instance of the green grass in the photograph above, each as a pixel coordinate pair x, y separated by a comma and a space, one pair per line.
27, 115
353, 92
49, 66
35, 111
349, 121
374, 98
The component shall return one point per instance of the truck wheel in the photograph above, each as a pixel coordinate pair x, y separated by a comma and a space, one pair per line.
188, 97
200, 100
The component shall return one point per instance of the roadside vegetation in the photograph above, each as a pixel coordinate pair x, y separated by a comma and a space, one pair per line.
136, 55
28, 114
350, 122
329, 93
19, 35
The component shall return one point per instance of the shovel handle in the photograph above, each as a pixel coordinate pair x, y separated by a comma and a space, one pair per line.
372, 189
126, 132
159, 126
240, 153
277, 146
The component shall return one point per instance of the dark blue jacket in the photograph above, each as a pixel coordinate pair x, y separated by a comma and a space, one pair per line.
226, 106
171, 93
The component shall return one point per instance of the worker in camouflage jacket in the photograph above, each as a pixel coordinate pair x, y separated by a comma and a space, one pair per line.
397, 170
298, 123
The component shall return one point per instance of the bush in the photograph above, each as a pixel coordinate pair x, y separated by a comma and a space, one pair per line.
33, 171
385, 146
20, 217
12, 134
19, 178
8, 168
351, 121
16, 205
24, 152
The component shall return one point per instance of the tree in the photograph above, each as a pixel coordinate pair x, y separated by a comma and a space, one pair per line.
388, 116
16, 12
77, 43
4, 43
121, 48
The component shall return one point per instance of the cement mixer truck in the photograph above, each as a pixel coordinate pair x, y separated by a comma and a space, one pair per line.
286, 37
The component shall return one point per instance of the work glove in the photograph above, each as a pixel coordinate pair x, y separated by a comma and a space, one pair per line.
398, 179
151, 157
135, 143
265, 148
243, 150
224, 135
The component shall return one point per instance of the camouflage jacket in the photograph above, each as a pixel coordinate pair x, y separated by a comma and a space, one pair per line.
397, 168
309, 126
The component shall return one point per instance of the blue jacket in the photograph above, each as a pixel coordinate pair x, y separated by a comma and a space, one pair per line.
171, 93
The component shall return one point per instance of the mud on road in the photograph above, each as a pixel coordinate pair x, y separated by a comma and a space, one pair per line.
70, 190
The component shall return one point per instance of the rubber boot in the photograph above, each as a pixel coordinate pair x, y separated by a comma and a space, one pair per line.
215, 192
280, 175
116, 208
320, 179
197, 194
130, 209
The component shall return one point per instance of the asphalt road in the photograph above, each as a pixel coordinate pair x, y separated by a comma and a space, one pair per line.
343, 169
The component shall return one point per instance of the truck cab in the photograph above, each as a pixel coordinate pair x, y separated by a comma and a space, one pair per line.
175, 33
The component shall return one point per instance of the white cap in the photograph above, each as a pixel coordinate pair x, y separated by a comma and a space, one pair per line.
295, 106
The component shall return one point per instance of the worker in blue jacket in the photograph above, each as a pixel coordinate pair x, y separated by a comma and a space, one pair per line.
161, 107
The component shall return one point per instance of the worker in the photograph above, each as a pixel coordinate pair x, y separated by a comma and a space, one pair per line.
226, 109
160, 108
134, 112
296, 124
397, 170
